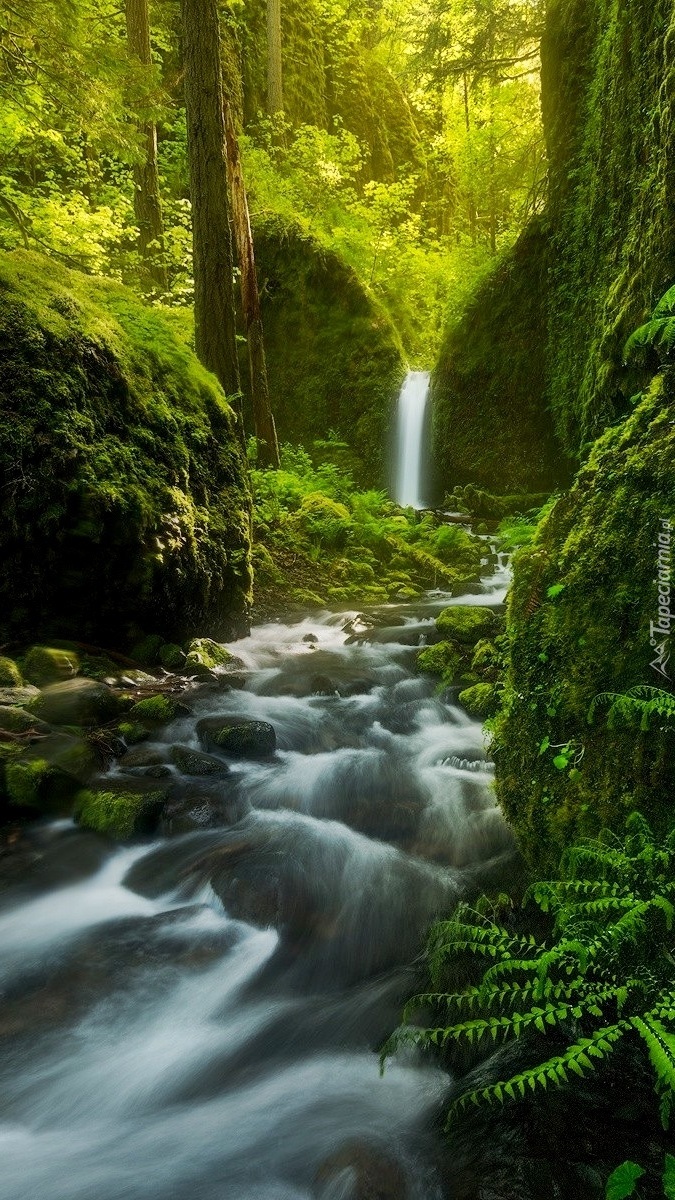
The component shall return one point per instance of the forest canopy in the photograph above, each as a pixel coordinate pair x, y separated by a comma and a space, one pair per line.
408, 139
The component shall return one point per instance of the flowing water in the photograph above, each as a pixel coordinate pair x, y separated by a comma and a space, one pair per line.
412, 408
196, 1018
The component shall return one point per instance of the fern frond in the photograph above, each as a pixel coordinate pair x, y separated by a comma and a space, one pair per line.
661, 1046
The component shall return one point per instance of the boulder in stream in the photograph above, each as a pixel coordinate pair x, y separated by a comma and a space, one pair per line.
195, 762
76, 702
121, 812
237, 737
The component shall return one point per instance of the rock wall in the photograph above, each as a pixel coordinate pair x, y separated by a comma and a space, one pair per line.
125, 502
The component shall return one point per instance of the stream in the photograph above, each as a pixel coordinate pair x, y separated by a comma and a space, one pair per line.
197, 1018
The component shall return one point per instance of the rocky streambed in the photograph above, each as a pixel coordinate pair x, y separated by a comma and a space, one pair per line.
200, 962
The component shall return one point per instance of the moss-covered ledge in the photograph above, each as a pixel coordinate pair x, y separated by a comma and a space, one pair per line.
125, 501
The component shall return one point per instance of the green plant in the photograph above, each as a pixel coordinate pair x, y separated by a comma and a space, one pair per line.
624, 1181
657, 334
604, 972
637, 706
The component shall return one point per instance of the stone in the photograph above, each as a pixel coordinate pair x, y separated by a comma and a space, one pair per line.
467, 624
48, 775
480, 701
237, 737
76, 702
157, 710
310, 639
18, 695
119, 811
195, 762
45, 664
19, 720
204, 655
172, 657
10, 675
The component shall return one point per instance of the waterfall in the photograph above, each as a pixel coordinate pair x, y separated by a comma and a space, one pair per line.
412, 407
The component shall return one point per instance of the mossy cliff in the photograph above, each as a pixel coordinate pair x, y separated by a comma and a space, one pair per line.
579, 622
125, 503
334, 359
491, 425
575, 291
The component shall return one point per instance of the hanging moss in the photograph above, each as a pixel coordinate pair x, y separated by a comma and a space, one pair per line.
125, 503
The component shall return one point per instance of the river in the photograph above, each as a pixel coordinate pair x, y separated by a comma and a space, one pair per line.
197, 1018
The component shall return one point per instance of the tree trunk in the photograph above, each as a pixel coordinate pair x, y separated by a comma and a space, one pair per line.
215, 330
147, 202
473, 215
263, 420
275, 91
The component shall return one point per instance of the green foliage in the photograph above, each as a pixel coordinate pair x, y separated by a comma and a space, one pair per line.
636, 707
658, 334
623, 1181
603, 972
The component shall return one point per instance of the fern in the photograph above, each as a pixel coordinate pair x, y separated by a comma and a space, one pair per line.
605, 972
637, 706
656, 334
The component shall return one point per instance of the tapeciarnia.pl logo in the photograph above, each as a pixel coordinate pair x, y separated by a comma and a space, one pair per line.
660, 629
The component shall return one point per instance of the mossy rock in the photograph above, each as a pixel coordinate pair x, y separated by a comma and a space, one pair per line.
480, 701
120, 813
132, 732
467, 624
133, 510
239, 738
46, 664
156, 710
172, 657
204, 655
47, 777
334, 359
444, 659
195, 762
10, 675
147, 652
20, 720
76, 702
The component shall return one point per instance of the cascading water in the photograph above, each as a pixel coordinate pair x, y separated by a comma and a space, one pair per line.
412, 408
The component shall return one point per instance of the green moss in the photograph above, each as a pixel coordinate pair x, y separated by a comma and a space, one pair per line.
203, 654
147, 651
155, 710
119, 814
132, 732
10, 675
44, 664
579, 617
444, 659
172, 657
132, 506
480, 701
334, 360
17, 720
466, 624
47, 778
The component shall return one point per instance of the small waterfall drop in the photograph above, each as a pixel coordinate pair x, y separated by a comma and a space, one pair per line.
412, 407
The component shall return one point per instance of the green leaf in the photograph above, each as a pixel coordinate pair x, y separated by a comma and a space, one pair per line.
669, 1178
622, 1182
561, 762
555, 590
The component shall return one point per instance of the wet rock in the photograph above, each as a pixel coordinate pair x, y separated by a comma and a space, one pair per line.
10, 675
132, 732
365, 1173
18, 695
76, 702
158, 710
44, 664
48, 775
310, 639
142, 757
19, 720
480, 701
204, 655
195, 762
172, 657
201, 807
321, 685
467, 624
121, 811
156, 771
239, 738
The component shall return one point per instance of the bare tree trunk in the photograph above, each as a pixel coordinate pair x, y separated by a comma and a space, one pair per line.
473, 216
263, 419
275, 91
147, 202
215, 329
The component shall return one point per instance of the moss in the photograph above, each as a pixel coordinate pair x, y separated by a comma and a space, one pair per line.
155, 710
579, 617
132, 732
132, 508
147, 651
121, 814
480, 701
172, 657
17, 720
466, 624
335, 361
10, 675
490, 424
43, 665
444, 659
47, 778
203, 654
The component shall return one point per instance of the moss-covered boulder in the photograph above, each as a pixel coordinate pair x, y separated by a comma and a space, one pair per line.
121, 812
204, 655
10, 674
156, 710
443, 659
46, 777
76, 702
130, 508
481, 700
334, 359
237, 737
467, 624
583, 621
195, 762
46, 664
490, 424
